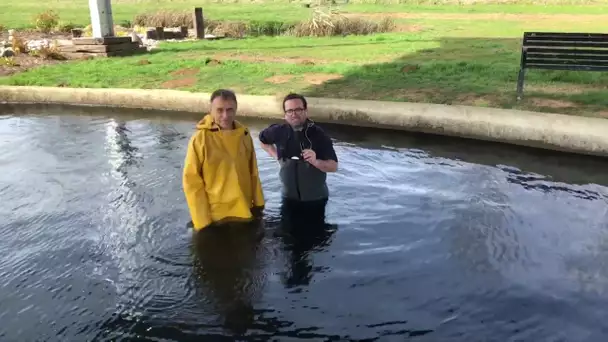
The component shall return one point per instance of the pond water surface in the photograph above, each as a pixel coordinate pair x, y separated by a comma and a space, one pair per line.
426, 238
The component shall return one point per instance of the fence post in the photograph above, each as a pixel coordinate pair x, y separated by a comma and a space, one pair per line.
101, 18
199, 24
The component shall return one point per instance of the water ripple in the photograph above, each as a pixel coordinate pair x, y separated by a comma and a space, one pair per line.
93, 230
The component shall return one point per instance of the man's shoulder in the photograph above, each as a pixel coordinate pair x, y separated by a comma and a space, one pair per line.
277, 126
320, 131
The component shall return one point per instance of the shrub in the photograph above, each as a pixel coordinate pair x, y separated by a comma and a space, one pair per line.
46, 21
48, 52
87, 31
164, 19
18, 44
267, 28
321, 23
8, 61
65, 27
125, 23
329, 23
239, 29
231, 29
2, 28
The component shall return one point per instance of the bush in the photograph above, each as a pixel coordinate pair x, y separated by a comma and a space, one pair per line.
164, 19
323, 24
46, 21
65, 27
48, 52
2, 28
268, 28
231, 29
239, 29
8, 61
125, 23
18, 44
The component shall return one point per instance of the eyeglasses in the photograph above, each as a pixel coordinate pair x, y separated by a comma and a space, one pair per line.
297, 111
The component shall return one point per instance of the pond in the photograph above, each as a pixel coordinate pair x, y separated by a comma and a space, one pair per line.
426, 238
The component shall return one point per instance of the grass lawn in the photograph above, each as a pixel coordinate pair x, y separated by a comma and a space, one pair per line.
443, 54
19, 14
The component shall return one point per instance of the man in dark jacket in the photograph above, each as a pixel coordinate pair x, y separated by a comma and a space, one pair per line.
305, 154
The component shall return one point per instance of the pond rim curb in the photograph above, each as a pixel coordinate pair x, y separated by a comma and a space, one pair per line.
558, 132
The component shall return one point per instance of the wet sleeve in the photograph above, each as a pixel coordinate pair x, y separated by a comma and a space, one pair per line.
327, 151
268, 136
194, 185
258, 194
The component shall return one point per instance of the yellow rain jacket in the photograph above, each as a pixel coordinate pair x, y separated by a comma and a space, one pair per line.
221, 177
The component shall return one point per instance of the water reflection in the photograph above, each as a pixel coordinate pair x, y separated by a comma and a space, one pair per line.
302, 229
446, 239
228, 264
168, 137
531, 181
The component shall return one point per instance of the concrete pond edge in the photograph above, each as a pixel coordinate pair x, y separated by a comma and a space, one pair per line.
558, 132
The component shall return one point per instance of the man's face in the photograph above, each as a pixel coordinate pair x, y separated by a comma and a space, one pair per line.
295, 114
223, 112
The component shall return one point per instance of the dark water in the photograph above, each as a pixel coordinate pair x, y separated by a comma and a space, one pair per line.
427, 239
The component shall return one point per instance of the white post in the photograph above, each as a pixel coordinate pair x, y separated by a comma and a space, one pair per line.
101, 18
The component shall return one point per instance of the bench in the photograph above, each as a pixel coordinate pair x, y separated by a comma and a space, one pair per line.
562, 51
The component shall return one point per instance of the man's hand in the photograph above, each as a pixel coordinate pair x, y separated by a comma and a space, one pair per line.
310, 156
323, 165
271, 150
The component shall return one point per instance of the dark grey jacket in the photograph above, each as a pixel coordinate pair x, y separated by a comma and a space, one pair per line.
301, 181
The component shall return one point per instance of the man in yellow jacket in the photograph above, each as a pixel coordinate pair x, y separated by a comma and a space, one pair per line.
221, 180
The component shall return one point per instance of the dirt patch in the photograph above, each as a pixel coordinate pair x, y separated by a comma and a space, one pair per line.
603, 114
279, 79
320, 78
574, 18
212, 62
478, 100
268, 59
185, 72
31, 34
551, 103
23, 62
179, 83
563, 88
409, 68
408, 28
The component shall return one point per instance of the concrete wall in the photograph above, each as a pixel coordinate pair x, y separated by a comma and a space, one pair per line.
550, 131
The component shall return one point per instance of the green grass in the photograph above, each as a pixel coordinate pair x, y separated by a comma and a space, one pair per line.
19, 14
456, 61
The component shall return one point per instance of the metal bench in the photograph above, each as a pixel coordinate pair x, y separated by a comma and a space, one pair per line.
562, 51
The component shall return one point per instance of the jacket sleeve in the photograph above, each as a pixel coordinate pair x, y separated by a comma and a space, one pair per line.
194, 185
258, 194
268, 136
326, 150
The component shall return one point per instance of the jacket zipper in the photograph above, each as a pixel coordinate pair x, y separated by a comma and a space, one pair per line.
298, 181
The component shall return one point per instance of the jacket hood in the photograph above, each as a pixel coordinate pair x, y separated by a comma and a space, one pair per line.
207, 123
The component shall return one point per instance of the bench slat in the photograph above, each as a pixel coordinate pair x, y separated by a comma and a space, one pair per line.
566, 62
536, 40
568, 44
578, 52
549, 35
567, 67
566, 39
561, 57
